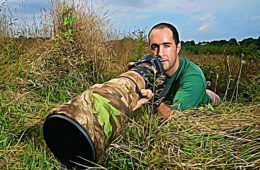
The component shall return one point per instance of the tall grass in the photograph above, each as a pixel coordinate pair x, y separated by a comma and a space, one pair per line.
38, 73
225, 72
77, 48
224, 138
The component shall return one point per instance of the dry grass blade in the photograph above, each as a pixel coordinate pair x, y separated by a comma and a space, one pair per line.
87, 161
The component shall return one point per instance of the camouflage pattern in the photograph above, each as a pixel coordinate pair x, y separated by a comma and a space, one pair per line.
122, 98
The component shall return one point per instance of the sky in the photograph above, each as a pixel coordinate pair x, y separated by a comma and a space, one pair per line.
199, 20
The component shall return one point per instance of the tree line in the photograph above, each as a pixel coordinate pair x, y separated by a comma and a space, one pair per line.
250, 47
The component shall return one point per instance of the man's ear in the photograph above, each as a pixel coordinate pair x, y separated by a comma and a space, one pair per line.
178, 47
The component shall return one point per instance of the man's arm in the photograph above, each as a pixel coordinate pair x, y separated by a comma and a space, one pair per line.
166, 112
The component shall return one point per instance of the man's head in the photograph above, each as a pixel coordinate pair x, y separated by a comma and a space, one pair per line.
166, 25
164, 42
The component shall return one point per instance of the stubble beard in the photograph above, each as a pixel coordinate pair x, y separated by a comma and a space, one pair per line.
170, 66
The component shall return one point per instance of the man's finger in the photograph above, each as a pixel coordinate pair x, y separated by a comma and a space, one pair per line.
147, 93
140, 103
129, 65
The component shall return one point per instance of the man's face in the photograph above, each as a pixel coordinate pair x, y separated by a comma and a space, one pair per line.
163, 45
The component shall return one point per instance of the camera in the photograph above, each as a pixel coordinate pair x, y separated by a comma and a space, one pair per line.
79, 131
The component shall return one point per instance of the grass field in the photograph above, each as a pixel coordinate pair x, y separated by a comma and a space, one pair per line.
38, 74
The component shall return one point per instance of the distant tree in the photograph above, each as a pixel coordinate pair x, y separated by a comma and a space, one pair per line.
219, 43
232, 49
246, 42
258, 42
249, 46
192, 42
203, 43
190, 46
232, 41
252, 48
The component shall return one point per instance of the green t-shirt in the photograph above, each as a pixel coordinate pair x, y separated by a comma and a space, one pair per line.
188, 87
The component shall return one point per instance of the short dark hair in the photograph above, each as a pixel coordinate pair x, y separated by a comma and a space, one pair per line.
166, 25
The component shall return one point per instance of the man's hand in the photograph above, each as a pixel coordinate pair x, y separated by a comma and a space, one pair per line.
147, 95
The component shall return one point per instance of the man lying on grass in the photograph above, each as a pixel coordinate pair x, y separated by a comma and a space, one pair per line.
186, 80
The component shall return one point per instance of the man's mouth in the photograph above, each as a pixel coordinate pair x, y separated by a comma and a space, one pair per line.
164, 60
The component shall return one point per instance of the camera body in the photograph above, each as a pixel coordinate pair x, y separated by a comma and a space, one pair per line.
152, 71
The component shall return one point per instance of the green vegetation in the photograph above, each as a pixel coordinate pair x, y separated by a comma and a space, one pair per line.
250, 47
39, 73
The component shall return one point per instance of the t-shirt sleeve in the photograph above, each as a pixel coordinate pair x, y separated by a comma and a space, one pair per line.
191, 91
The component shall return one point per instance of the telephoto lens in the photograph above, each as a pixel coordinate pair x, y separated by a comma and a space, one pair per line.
79, 131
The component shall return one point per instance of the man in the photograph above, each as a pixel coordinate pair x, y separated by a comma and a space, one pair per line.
186, 80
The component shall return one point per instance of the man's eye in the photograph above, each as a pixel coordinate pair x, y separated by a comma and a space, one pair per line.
167, 45
154, 46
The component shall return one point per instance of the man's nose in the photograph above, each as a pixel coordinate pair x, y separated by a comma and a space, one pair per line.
160, 51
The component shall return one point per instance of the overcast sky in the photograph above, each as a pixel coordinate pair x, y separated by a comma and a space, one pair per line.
199, 20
